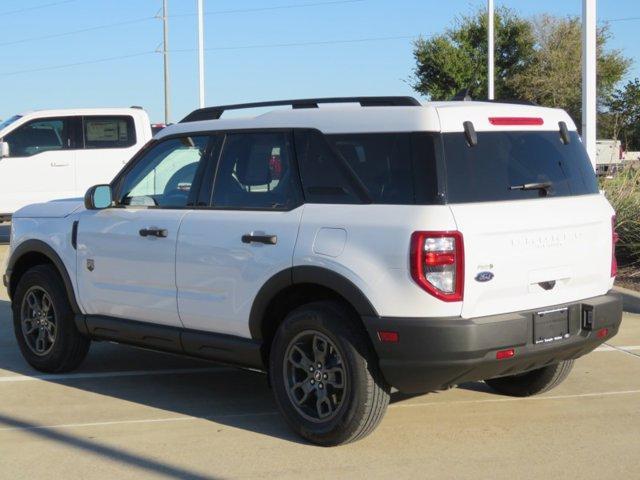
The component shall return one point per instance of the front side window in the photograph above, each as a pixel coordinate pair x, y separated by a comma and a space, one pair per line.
39, 136
164, 176
256, 171
109, 132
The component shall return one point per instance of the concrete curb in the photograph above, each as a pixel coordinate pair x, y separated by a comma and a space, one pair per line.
630, 299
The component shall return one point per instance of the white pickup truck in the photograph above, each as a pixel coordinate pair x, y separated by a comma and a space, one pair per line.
51, 154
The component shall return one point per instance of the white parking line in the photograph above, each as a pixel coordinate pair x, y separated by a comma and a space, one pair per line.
185, 418
519, 399
609, 348
178, 371
89, 375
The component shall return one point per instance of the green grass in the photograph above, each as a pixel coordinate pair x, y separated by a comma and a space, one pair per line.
623, 191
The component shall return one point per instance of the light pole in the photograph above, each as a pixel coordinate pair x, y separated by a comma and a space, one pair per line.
201, 52
490, 50
589, 93
165, 56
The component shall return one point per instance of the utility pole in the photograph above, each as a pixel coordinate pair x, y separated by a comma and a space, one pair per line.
490, 49
165, 55
589, 93
201, 52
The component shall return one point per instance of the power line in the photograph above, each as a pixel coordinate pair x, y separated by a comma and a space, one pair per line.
624, 19
303, 44
239, 47
145, 19
82, 30
35, 7
86, 62
275, 7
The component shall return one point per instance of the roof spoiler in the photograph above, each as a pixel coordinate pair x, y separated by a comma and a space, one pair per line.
214, 113
464, 96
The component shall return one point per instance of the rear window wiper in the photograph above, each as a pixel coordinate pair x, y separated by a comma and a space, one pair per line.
532, 186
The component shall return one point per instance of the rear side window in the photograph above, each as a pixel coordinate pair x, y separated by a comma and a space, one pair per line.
380, 168
326, 178
109, 132
382, 162
502, 162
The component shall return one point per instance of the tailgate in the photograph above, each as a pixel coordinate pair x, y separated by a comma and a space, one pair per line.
540, 252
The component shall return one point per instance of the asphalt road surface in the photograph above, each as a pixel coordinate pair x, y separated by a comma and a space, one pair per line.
130, 413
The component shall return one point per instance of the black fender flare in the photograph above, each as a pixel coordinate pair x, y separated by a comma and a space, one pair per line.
309, 275
38, 246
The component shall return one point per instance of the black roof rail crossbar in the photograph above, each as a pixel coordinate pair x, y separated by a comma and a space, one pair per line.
214, 113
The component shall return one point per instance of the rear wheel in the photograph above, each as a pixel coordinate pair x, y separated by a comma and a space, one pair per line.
533, 382
44, 323
325, 376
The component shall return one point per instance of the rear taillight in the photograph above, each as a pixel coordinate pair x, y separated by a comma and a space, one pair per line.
437, 264
614, 240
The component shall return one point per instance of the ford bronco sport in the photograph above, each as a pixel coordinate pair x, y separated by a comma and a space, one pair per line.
344, 249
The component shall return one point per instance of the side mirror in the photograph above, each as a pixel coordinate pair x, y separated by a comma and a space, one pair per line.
98, 197
4, 149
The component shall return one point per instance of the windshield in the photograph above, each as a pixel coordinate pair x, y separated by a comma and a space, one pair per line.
9, 121
516, 166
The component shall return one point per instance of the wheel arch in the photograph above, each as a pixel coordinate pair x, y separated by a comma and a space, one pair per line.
36, 252
296, 286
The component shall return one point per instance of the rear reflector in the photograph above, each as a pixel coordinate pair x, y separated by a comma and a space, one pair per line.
504, 354
388, 337
602, 333
506, 121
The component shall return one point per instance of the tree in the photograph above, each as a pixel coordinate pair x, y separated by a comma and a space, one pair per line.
536, 60
457, 59
622, 119
554, 77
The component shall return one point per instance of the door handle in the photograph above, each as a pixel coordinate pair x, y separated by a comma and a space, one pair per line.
154, 232
59, 164
266, 239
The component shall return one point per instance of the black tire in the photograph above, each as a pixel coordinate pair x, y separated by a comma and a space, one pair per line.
364, 395
68, 347
533, 382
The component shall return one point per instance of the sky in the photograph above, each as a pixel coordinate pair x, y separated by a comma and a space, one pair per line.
96, 53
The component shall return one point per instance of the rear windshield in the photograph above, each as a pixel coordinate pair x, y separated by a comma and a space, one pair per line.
516, 166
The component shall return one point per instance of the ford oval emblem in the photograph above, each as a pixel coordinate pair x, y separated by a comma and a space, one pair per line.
484, 276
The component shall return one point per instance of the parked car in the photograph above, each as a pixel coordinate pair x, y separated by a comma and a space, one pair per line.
343, 250
52, 154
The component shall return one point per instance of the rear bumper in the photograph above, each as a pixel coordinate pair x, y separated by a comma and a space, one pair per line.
437, 353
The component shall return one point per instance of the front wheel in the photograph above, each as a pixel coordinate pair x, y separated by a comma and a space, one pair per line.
325, 376
533, 382
43, 322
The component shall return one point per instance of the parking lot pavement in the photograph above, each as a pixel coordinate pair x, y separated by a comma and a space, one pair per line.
131, 413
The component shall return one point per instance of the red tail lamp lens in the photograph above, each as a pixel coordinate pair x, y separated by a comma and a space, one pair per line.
388, 337
603, 333
504, 354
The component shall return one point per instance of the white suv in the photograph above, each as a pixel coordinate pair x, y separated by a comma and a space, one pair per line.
344, 249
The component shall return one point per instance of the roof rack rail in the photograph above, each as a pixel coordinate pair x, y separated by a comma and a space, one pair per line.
214, 113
